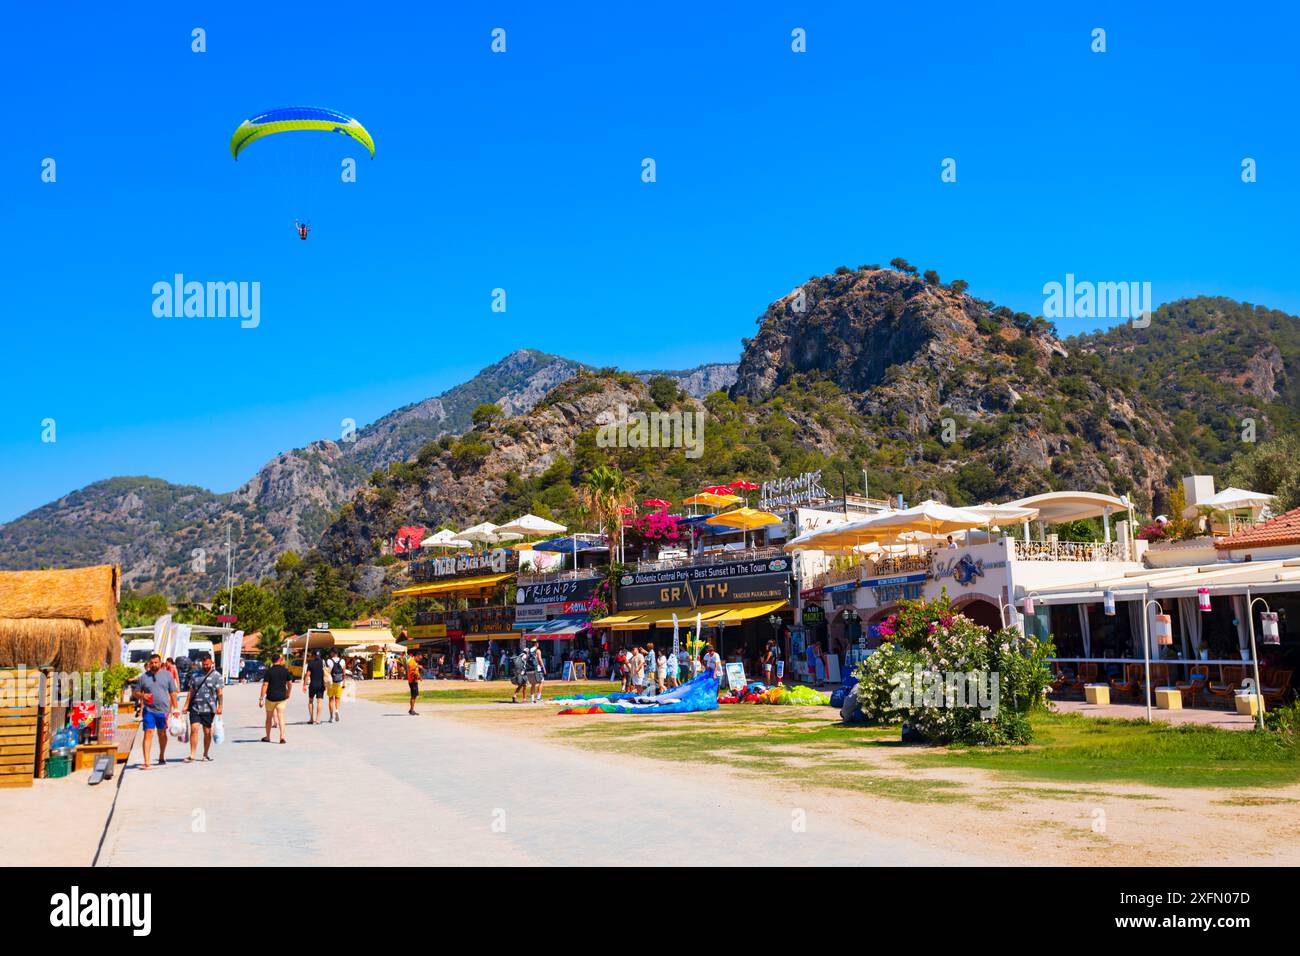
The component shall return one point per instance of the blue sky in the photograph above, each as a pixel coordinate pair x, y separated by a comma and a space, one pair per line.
522, 171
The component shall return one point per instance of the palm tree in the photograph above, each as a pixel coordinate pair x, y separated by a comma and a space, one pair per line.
269, 643
605, 492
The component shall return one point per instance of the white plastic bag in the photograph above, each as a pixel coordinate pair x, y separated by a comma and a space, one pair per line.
178, 725
218, 731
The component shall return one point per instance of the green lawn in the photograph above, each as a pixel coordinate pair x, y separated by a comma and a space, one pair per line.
1074, 748
1068, 748
457, 691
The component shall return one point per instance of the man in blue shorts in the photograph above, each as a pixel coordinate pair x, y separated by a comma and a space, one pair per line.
157, 690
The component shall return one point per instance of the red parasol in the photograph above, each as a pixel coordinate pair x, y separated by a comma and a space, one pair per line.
740, 484
718, 490
657, 503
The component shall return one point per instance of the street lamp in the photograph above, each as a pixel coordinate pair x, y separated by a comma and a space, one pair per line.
1146, 647
1254, 655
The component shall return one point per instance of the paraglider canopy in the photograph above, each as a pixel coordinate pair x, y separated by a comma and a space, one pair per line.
293, 118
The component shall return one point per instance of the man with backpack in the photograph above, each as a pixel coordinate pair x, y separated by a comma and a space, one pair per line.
518, 665
337, 675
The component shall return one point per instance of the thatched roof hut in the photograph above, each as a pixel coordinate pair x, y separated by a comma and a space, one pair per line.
65, 619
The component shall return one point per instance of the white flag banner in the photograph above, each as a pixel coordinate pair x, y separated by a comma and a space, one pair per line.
162, 629
231, 647
180, 643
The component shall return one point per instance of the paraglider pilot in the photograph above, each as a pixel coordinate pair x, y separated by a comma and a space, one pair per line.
303, 229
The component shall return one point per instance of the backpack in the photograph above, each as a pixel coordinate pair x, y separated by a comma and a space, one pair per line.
519, 662
336, 672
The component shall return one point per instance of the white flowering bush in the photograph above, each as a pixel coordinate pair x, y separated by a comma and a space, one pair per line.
952, 680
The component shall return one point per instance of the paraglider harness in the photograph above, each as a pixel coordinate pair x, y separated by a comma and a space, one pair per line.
303, 229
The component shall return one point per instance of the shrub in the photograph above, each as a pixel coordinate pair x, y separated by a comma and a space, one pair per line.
953, 680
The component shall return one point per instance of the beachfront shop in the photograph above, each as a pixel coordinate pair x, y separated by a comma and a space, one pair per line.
474, 616
556, 611
736, 606
61, 709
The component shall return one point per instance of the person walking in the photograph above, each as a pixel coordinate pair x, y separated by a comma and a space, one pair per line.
672, 666
769, 663
336, 673
204, 705
534, 671
413, 681
313, 685
277, 687
156, 689
661, 672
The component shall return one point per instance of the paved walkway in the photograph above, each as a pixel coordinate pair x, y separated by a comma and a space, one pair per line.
1223, 719
384, 788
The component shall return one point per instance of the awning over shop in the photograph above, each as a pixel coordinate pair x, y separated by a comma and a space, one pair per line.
686, 616
616, 620
456, 586
743, 612
1235, 578
562, 628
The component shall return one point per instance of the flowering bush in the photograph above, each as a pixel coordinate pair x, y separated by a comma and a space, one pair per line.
656, 527
953, 680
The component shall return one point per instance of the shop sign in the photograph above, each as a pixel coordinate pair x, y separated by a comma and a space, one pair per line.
919, 578
736, 676
495, 561
963, 570
812, 594
707, 572
891, 593
792, 492
692, 593
426, 630
530, 614
556, 592
846, 586
814, 614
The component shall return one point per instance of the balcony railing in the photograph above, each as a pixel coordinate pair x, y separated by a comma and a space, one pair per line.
900, 564
717, 557
475, 620
1070, 551
549, 577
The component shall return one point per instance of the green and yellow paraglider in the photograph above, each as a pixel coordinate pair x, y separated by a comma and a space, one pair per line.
299, 118
292, 118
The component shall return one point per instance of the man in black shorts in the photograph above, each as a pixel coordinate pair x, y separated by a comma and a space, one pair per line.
204, 705
413, 680
313, 682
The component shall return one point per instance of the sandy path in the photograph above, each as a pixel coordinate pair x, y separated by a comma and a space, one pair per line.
467, 795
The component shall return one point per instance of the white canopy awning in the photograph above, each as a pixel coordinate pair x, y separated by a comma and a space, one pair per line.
1222, 578
1056, 507
529, 525
1236, 499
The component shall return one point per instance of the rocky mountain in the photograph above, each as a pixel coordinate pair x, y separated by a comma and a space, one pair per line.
933, 392
172, 538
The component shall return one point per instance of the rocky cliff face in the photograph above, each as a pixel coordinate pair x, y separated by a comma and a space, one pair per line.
471, 480
959, 388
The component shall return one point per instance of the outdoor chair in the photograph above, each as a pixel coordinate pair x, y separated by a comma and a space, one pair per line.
1063, 680
1159, 677
1192, 688
1225, 688
1276, 688
1132, 682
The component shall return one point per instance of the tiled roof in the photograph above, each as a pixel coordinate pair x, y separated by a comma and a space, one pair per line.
1284, 529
